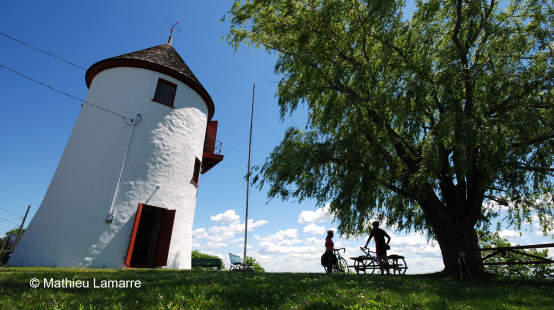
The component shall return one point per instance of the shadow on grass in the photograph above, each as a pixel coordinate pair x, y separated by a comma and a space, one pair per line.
202, 289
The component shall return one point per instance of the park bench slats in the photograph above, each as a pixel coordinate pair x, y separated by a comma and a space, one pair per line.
236, 263
207, 262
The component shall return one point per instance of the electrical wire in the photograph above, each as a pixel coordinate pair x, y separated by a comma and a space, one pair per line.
234, 147
64, 93
43, 51
12, 213
266, 124
11, 222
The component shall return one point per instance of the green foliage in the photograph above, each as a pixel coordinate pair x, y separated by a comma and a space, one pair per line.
4, 254
493, 240
200, 255
10, 232
199, 289
255, 264
415, 120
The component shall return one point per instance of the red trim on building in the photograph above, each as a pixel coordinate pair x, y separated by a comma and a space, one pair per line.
133, 236
163, 239
211, 156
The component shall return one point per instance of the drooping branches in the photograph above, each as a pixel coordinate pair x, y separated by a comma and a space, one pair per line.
419, 119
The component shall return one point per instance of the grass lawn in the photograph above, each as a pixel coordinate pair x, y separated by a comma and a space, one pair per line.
169, 289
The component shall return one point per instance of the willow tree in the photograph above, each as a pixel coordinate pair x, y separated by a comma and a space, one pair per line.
417, 120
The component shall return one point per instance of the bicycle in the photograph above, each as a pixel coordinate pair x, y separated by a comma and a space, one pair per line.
340, 266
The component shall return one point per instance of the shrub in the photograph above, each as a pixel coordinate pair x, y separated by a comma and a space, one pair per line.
198, 254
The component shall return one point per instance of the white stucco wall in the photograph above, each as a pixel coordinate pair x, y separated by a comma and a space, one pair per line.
69, 228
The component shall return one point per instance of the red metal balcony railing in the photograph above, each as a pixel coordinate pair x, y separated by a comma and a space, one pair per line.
212, 146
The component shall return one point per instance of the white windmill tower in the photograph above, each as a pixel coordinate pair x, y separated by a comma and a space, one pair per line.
125, 189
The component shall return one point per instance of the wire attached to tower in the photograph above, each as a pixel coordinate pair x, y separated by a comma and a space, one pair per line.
64, 93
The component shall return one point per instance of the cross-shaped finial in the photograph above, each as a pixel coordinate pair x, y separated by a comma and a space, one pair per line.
171, 29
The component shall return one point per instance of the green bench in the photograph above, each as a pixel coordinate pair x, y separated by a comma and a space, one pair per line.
207, 263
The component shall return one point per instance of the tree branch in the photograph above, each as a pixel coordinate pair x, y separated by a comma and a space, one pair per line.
535, 140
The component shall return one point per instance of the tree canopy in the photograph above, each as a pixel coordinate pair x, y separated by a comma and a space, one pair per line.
415, 120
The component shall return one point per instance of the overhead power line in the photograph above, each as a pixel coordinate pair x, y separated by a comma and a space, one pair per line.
9, 221
43, 51
266, 124
63, 92
237, 144
10, 212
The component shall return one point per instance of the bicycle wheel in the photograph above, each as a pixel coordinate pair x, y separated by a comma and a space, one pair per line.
338, 267
371, 266
398, 265
343, 265
359, 266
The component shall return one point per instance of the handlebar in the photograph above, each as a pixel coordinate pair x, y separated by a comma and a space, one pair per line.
366, 250
338, 250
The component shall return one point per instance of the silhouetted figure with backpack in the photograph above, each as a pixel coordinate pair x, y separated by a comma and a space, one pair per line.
328, 259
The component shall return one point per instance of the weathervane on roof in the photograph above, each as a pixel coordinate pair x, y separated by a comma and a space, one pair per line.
171, 29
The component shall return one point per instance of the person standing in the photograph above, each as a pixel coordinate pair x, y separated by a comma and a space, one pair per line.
329, 258
381, 246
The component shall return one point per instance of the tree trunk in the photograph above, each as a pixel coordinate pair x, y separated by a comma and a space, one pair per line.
455, 238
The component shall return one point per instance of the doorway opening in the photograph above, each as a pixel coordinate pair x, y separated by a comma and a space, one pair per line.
151, 237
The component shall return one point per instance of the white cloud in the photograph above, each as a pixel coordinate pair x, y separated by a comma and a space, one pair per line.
550, 233
200, 233
220, 233
495, 206
507, 233
540, 230
215, 245
228, 216
281, 235
238, 227
286, 250
254, 224
223, 235
317, 216
314, 229
421, 256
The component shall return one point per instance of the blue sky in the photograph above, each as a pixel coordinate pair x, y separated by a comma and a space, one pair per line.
36, 122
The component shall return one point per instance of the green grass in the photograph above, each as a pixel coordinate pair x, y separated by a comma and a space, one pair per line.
169, 289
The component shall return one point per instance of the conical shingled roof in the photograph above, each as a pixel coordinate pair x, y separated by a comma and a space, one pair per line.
164, 55
162, 58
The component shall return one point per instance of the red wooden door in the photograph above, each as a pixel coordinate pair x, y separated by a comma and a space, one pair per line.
133, 236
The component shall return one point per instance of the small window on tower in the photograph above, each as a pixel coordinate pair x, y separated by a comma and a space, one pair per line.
196, 172
165, 92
